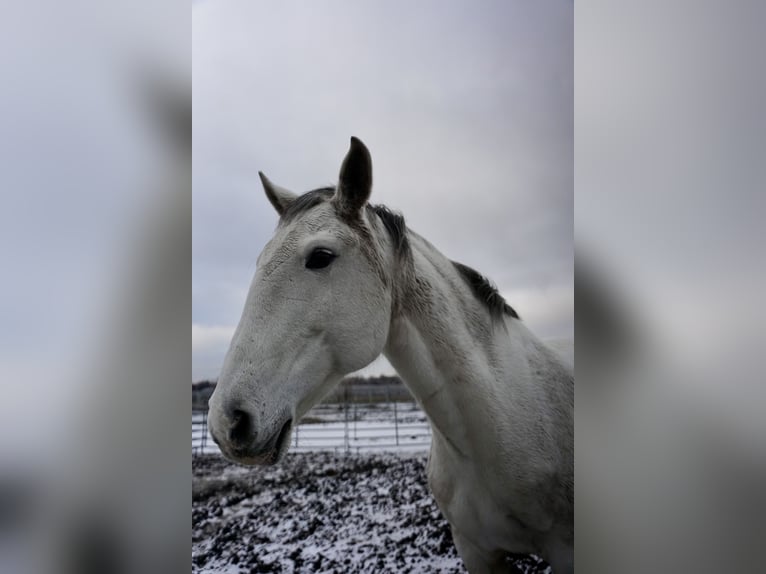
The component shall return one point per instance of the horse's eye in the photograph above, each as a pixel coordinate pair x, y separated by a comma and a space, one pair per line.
319, 258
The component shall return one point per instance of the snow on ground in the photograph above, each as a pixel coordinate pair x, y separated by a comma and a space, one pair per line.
321, 512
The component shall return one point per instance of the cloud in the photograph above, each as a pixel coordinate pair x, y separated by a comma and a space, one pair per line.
209, 345
548, 312
206, 338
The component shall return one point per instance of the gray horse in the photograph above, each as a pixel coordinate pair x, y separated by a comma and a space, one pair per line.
343, 281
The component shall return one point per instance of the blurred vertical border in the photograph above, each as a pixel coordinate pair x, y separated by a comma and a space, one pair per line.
670, 136
95, 249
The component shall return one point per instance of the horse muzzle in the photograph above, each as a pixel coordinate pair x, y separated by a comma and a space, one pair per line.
240, 442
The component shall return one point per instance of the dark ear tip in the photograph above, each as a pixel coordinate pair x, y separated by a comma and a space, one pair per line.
358, 145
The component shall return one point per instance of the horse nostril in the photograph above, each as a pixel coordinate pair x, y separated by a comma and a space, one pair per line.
239, 432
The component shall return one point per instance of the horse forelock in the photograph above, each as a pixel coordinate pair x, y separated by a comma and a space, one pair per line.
306, 202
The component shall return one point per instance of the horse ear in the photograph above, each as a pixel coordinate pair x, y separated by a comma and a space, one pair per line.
279, 197
355, 180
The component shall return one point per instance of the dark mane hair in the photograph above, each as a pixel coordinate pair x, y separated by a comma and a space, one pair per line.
485, 291
306, 201
395, 225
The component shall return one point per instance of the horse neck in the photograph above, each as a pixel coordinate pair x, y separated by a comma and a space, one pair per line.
448, 350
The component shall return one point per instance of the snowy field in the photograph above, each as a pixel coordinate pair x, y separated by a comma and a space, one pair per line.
351, 496
322, 512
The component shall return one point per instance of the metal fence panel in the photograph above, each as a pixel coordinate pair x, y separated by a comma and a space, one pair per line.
347, 425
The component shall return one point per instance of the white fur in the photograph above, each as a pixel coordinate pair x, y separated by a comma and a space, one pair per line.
499, 401
501, 464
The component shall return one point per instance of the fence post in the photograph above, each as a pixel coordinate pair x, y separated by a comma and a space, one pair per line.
396, 423
204, 431
297, 426
345, 423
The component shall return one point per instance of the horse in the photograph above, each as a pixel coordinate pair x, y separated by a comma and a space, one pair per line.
343, 281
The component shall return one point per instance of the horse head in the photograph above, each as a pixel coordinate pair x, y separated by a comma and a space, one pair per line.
319, 308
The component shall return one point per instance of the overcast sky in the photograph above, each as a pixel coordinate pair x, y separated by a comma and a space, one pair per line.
465, 107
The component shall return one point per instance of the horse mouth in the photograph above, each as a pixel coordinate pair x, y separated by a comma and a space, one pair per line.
281, 444
271, 453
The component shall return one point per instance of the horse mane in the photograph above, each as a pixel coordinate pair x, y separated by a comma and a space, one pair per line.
485, 291
396, 227
482, 287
